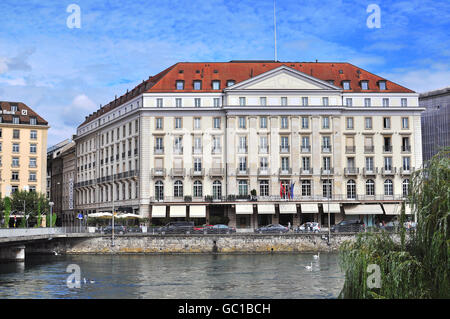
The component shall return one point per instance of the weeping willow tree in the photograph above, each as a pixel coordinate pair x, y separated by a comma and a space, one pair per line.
410, 266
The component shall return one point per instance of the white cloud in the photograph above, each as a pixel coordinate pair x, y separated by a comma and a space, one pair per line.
13, 81
81, 106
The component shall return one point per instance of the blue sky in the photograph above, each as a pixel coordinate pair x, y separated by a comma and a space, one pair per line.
64, 74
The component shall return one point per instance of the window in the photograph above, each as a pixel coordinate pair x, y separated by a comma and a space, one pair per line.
367, 102
365, 85
159, 102
388, 188
32, 177
159, 190
382, 85
15, 148
325, 122
351, 189
15, 176
16, 120
386, 122
284, 122
216, 123
230, 82
0, 132
198, 189
242, 101
327, 188
406, 163
349, 102
325, 101
197, 102
305, 122
388, 164
264, 188
180, 85
197, 123
16, 133
369, 164
385, 102
305, 143
405, 122
346, 85
216, 85
326, 143
263, 122
285, 143
197, 85
350, 123
284, 101
178, 102
263, 163
306, 163
263, 101
368, 123
178, 122
242, 164
159, 123
15, 162
404, 102
216, 102
197, 161
285, 164
159, 144
178, 189
263, 145
370, 187
242, 144
13, 108
243, 188
33, 162
217, 190
242, 122
304, 101
306, 187
405, 187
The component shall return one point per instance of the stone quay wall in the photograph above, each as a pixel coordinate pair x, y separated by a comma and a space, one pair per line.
175, 244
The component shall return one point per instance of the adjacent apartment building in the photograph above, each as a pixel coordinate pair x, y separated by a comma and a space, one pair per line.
23, 145
252, 143
435, 121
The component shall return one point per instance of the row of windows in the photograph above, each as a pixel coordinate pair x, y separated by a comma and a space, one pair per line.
31, 176
179, 102
16, 162
16, 134
16, 120
16, 148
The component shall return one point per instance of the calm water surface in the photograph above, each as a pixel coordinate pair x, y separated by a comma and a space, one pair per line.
175, 276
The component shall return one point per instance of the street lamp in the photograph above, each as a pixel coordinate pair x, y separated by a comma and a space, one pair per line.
51, 212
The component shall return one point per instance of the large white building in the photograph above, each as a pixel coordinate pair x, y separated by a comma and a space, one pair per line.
195, 140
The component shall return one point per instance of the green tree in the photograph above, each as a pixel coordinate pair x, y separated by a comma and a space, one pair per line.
7, 205
33, 203
415, 266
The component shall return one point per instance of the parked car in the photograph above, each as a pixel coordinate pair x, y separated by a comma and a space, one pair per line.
272, 228
135, 229
177, 228
309, 227
220, 229
201, 228
351, 226
118, 229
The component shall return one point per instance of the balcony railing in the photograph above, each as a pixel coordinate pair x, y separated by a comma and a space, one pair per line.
370, 172
326, 148
285, 171
369, 149
263, 149
177, 172
263, 171
197, 150
387, 148
406, 171
328, 171
159, 150
158, 172
242, 172
388, 171
350, 149
306, 148
284, 149
197, 173
306, 171
216, 150
351, 171
216, 172
406, 148
178, 150
242, 150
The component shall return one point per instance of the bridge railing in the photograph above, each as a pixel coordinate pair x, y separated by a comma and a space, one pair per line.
22, 232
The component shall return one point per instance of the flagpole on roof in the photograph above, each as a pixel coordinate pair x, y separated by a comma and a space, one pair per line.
275, 28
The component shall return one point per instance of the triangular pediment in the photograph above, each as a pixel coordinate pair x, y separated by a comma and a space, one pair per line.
283, 78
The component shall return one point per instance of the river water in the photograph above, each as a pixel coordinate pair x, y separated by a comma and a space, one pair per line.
258, 276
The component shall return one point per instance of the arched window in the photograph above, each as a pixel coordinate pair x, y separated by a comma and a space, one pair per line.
198, 189
405, 187
243, 188
159, 190
388, 188
178, 189
217, 190
351, 189
370, 187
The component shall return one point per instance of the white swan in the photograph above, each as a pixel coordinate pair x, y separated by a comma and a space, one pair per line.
309, 267
55, 253
317, 256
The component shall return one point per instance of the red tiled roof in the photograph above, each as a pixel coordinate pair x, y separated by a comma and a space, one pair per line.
24, 119
239, 71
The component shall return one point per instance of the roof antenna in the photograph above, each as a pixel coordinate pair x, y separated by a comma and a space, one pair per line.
275, 28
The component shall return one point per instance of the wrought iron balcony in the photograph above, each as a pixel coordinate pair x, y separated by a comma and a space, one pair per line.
406, 148
158, 172
326, 148
285, 171
242, 172
329, 171
263, 149
306, 171
197, 150
350, 171
178, 150
370, 172
387, 148
388, 171
350, 149
159, 150
369, 149
197, 173
284, 149
306, 148
242, 150
406, 171
263, 171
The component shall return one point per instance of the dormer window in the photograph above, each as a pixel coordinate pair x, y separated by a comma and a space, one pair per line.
365, 85
216, 85
180, 85
230, 82
197, 85
382, 85
346, 85
16, 120
33, 121
13, 108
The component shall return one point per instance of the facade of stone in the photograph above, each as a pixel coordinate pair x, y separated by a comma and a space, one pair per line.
257, 142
